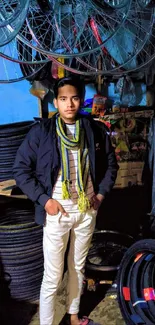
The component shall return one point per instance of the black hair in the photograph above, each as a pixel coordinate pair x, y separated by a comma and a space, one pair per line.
73, 81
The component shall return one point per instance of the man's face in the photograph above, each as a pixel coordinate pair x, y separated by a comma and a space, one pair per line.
68, 103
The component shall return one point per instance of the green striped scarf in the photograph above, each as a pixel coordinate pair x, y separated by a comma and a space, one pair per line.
78, 143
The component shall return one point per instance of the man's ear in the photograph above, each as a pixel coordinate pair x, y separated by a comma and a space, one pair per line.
55, 102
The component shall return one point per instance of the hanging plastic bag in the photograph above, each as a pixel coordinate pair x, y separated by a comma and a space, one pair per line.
126, 89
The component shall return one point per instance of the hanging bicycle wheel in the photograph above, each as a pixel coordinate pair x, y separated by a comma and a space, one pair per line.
68, 24
130, 49
17, 51
146, 3
10, 11
9, 32
139, 50
22, 53
12, 72
112, 3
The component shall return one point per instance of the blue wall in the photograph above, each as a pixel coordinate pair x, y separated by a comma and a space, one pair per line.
17, 104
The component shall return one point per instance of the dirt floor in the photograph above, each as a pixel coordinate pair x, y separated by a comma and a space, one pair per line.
98, 305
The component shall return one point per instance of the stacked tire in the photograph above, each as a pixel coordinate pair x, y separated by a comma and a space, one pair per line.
136, 283
21, 251
11, 136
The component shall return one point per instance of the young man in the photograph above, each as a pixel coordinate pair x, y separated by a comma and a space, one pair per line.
66, 165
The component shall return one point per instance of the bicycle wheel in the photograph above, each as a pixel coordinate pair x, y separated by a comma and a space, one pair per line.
9, 32
107, 249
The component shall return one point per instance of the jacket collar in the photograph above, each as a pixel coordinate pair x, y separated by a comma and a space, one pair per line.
86, 122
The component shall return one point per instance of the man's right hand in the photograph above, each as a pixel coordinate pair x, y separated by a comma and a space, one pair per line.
53, 207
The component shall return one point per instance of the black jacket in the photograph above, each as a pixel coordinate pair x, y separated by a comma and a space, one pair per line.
37, 162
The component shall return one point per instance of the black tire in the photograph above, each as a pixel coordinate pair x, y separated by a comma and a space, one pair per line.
136, 288
109, 247
149, 280
133, 277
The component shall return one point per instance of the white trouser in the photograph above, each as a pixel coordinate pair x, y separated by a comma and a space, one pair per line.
55, 239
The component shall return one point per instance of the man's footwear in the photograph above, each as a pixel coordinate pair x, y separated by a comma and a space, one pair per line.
87, 321
83, 321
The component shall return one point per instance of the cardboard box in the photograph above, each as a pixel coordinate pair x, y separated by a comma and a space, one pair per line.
129, 174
